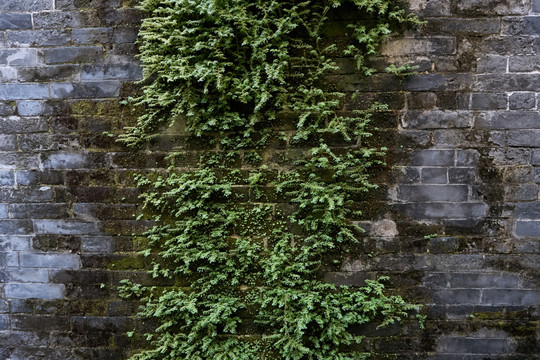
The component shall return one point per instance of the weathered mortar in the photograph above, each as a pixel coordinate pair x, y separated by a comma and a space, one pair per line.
464, 152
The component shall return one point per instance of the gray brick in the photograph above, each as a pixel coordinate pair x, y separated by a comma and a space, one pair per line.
434, 175
65, 227
523, 192
55, 37
491, 64
24, 91
433, 158
535, 157
88, 36
29, 108
30, 275
484, 280
15, 226
500, 7
53, 261
97, 244
515, 45
15, 21
442, 245
436, 119
423, 46
461, 175
514, 297
19, 57
460, 345
39, 211
509, 120
456, 296
507, 82
37, 142
34, 291
74, 5
8, 74
82, 54
453, 26
524, 63
526, 25
487, 101
522, 101
444, 210
12, 160
467, 158
49, 73
8, 143
101, 89
7, 178
57, 20
524, 138
111, 72
3, 211
123, 35
27, 194
26, 5
529, 228
66, 161
423, 193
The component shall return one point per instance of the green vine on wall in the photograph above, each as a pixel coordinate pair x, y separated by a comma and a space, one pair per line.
244, 239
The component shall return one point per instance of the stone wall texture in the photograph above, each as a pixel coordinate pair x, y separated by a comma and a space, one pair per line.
455, 223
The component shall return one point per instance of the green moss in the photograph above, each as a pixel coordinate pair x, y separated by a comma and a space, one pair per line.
130, 262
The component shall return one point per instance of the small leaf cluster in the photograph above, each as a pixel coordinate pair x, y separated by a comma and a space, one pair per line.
241, 276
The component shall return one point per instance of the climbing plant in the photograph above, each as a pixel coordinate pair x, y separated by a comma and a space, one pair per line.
243, 237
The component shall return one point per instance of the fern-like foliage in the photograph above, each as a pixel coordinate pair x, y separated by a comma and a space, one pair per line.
242, 274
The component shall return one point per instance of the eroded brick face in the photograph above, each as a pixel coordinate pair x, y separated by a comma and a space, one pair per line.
455, 223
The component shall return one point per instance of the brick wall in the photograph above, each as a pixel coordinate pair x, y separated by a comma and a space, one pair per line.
455, 223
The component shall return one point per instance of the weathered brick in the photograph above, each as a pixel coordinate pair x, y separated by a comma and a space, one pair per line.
434, 175
526, 228
34, 290
436, 119
423, 193
522, 101
492, 7
55, 261
492, 64
56, 37
64, 227
483, 280
507, 82
111, 71
15, 21
488, 101
81, 54
458, 345
29, 108
453, 26
524, 138
425, 46
57, 19
24, 91
100, 89
508, 120
19, 57
456, 296
88, 36
433, 158
443, 210
524, 297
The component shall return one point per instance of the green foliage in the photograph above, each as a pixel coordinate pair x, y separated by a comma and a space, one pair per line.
402, 71
243, 275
